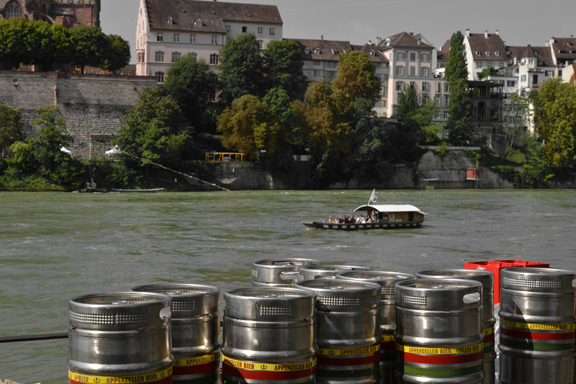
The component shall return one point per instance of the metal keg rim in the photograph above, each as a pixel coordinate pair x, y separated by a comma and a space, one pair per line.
434, 285
254, 293
456, 273
335, 267
538, 279
209, 290
266, 263
82, 301
538, 271
375, 276
346, 285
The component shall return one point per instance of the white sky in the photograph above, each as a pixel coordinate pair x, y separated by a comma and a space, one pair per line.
521, 22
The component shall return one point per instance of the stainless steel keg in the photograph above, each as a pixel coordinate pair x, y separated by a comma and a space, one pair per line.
278, 273
195, 330
120, 338
348, 330
537, 326
386, 280
269, 336
488, 320
311, 272
439, 336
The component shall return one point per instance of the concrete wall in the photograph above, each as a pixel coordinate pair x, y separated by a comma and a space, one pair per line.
93, 106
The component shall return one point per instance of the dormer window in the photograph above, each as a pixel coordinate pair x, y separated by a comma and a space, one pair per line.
372, 53
248, 15
170, 20
198, 23
317, 51
307, 50
497, 53
478, 53
487, 53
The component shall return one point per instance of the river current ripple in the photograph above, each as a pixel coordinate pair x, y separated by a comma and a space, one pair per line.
56, 246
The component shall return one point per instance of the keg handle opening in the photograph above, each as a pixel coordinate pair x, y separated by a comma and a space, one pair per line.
289, 275
471, 298
574, 283
165, 313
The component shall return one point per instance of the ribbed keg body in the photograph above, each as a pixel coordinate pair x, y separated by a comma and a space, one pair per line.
269, 336
120, 337
387, 280
311, 272
488, 320
348, 330
278, 273
537, 326
195, 330
439, 336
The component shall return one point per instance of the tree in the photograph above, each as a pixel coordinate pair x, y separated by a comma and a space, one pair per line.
193, 86
242, 70
249, 125
155, 130
515, 116
555, 121
356, 76
89, 47
118, 54
17, 40
459, 124
51, 45
10, 128
415, 119
284, 67
321, 118
456, 68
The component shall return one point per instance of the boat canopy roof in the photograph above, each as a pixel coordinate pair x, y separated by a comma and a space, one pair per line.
390, 208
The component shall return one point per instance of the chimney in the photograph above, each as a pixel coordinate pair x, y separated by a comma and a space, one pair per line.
547, 43
378, 40
321, 36
388, 42
497, 32
419, 41
369, 42
411, 33
515, 60
486, 35
468, 33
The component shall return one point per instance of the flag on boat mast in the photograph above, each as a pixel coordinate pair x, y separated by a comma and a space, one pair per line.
373, 198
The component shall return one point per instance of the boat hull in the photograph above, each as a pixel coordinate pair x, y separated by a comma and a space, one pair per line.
138, 190
360, 227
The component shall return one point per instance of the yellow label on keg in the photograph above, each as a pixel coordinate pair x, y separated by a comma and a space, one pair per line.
386, 338
88, 379
350, 351
270, 367
541, 327
195, 361
489, 331
440, 351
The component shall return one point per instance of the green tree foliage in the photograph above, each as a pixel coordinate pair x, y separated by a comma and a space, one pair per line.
321, 118
415, 119
459, 125
51, 44
456, 68
10, 128
515, 115
118, 54
155, 130
193, 86
90, 47
17, 41
242, 68
555, 121
284, 67
43, 157
249, 125
356, 77
535, 172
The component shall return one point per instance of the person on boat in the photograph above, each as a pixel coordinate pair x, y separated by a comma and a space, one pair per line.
330, 220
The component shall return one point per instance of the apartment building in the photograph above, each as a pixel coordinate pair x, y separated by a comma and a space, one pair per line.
168, 29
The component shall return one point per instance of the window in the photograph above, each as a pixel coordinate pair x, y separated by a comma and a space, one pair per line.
425, 58
531, 61
446, 100
412, 71
487, 53
437, 99
227, 28
479, 64
170, 20
438, 87
194, 55
425, 71
534, 79
244, 29
412, 56
317, 73
446, 87
317, 62
260, 29
333, 64
260, 42
272, 32
478, 53
400, 56
425, 99
400, 70
159, 77
159, 36
307, 50
445, 114
176, 38
425, 87
159, 56
214, 59
317, 51
331, 74
214, 40
497, 53
193, 39
413, 84
198, 23
510, 83
175, 56
13, 10
399, 85
548, 73
523, 78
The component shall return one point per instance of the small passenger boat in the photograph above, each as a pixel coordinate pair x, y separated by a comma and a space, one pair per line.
389, 216
138, 190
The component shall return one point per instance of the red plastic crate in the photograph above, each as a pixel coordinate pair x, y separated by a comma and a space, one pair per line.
495, 267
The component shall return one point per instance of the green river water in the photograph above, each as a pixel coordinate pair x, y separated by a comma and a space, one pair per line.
56, 246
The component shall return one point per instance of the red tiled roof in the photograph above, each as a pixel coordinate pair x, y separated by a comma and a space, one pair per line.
372, 49
328, 50
480, 45
404, 39
542, 54
212, 13
564, 47
444, 51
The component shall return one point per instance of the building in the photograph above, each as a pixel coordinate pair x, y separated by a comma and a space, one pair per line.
484, 50
168, 29
69, 13
563, 52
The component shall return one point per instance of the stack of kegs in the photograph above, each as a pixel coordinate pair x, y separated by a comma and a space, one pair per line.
303, 322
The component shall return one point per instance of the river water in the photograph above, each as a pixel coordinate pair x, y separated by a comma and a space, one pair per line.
56, 246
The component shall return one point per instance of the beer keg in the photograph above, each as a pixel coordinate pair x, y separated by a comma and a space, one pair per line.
278, 273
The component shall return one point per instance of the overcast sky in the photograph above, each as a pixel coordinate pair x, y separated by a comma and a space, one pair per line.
521, 22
